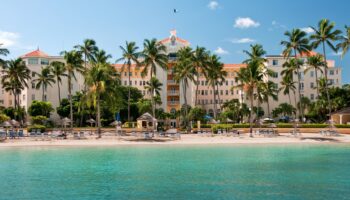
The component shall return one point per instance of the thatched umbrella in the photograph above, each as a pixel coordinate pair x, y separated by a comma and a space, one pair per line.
91, 121
116, 124
14, 123
6, 124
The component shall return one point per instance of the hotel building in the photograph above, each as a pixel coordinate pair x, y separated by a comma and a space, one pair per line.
172, 93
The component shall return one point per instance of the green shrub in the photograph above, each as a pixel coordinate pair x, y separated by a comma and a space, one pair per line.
36, 127
39, 119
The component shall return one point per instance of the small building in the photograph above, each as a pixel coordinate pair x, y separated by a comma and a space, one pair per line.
341, 116
146, 122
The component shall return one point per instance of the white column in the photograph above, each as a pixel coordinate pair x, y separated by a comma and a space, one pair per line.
340, 119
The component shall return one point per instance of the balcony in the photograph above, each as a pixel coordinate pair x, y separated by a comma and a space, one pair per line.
173, 102
173, 93
172, 82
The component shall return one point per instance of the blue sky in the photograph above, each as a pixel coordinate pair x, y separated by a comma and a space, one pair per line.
226, 27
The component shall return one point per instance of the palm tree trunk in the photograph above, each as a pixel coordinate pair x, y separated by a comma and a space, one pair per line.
129, 92
185, 99
316, 83
43, 92
214, 96
217, 88
251, 115
197, 84
326, 77
290, 102
295, 104
298, 75
268, 107
70, 100
98, 116
59, 91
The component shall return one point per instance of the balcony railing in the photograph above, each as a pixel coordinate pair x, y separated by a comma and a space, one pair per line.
173, 82
173, 102
174, 93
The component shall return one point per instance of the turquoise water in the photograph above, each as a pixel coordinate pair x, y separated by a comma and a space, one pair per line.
176, 172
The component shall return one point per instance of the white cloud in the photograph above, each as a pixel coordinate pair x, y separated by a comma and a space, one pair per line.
242, 40
213, 5
8, 39
276, 25
308, 30
220, 51
245, 22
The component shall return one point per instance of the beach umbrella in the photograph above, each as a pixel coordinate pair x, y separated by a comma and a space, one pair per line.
27, 123
115, 123
6, 124
228, 120
91, 121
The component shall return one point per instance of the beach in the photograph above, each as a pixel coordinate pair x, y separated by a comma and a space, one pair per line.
186, 139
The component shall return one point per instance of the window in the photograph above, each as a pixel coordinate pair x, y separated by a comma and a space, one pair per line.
331, 72
33, 97
231, 83
130, 82
44, 61
45, 97
125, 74
311, 85
1, 101
33, 74
33, 61
274, 62
301, 86
202, 83
140, 82
312, 74
275, 75
232, 92
226, 92
130, 73
125, 82
24, 97
135, 82
226, 82
312, 97
221, 92
206, 92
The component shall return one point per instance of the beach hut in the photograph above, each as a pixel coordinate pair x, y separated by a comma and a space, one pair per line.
146, 122
341, 116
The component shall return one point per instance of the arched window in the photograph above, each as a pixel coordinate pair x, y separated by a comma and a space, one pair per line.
211, 112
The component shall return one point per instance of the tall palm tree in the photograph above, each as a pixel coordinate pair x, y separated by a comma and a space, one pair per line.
316, 63
297, 43
45, 78
256, 53
74, 63
325, 34
344, 41
184, 71
250, 77
58, 70
15, 78
154, 86
97, 78
154, 54
130, 54
200, 61
100, 56
215, 75
3, 52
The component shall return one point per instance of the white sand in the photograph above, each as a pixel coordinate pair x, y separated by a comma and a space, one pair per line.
189, 139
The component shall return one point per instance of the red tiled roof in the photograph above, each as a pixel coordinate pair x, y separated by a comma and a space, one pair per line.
307, 54
36, 53
235, 65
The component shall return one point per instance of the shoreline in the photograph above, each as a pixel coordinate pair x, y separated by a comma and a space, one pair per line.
186, 140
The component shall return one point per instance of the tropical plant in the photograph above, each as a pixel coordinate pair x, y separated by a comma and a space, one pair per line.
325, 34
183, 72
154, 86
3, 52
42, 108
88, 49
344, 41
287, 86
129, 54
58, 71
97, 78
74, 63
15, 78
45, 78
154, 55
200, 62
297, 43
269, 89
316, 63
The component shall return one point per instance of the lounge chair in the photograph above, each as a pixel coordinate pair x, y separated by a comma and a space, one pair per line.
75, 135
20, 133
82, 135
38, 133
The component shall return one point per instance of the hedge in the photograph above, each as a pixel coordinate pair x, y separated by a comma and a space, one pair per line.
279, 125
36, 126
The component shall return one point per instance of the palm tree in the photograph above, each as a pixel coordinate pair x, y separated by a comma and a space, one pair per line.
154, 54
315, 63
130, 54
101, 56
250, 77
200, 61
44, 79
256, 53
15, 78
4, 52
58, 70
344, 41
154, 86
288, 86
184, 71
97, 79
74, 63
269, 89
214, 74
324, 34
297, 43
